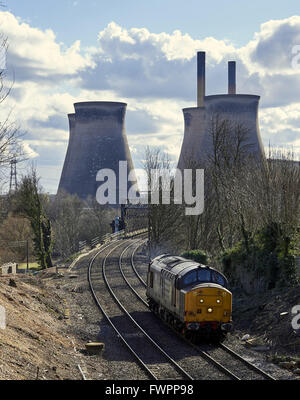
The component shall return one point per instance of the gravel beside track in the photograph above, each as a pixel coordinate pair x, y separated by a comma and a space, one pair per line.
116, 362
137, 278
151, 356
187, 357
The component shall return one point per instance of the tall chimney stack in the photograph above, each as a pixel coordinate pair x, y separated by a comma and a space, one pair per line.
198, 145
200, 78
231, 77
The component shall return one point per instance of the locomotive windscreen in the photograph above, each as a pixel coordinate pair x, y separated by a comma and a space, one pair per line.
203, 275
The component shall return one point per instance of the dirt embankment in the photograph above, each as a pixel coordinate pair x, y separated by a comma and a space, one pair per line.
271, 321
35, 343
50, 318
270, 314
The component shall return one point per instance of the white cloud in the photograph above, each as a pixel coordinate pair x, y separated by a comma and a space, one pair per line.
281, 126
35, 54
268, 62
137, 42
271, 49
28, 151
155, 73
138, 63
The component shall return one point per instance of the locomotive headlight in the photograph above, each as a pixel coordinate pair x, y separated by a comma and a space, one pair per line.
209, 310
201, 301
218, 301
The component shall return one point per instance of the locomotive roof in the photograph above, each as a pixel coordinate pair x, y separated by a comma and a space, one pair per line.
179, 266
176, 264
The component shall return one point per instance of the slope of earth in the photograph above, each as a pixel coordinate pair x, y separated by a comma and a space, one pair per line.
49, 320
50, 317
268, 324
35, 343
263, 333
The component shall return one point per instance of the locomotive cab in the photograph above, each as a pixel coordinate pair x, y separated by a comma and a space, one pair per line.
207, 301
192, 297
208, 305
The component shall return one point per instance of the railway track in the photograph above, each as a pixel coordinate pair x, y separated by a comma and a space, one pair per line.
237, 363
152, 358
155, 354
236, 366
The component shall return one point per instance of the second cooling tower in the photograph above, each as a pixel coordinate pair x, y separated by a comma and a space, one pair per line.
97, 141
240, 110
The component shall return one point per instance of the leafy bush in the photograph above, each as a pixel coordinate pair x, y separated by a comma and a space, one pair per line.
269, 259
197, 255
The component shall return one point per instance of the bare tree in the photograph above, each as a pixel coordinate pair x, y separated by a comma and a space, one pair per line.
95, 219
252, 209
64, 213
15, 232
10, 136
227, 154
29, 203
76, 220
164, 219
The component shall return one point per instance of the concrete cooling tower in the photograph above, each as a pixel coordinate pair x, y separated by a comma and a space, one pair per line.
97, 141
240, 109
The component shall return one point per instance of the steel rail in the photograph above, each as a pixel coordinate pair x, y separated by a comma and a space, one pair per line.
202, 352
155, 344
140, 361
126, 280
133, 266
249, 364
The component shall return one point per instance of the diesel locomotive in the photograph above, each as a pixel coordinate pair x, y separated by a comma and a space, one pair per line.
191, 297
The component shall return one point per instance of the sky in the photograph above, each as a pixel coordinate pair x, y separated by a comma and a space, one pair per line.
144, 53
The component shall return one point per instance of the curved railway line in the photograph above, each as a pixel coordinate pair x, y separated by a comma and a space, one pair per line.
147, 352
115, 284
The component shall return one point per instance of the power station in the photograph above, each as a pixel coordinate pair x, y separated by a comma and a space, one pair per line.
240, 109
97, 141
